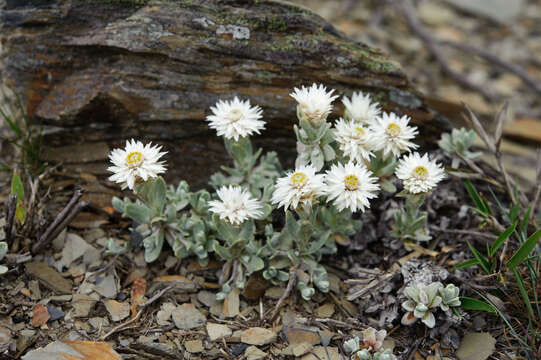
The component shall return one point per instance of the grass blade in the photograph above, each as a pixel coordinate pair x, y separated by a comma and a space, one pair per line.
501, 239
468, 303
483, 261
523, 293
524, 250
475, 196
467, 263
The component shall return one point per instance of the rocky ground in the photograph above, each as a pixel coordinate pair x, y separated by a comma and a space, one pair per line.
75, 298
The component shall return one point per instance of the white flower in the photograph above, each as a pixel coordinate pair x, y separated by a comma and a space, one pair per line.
354, 140
361, 108
299, 187
236, 205
136, 161
392, 134
315, 103
350, 186
235, 118
419, 174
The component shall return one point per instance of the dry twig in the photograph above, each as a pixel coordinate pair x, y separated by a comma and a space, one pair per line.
291, 283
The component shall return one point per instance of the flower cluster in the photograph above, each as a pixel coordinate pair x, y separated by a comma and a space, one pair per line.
371, 348
339, 170
423, 300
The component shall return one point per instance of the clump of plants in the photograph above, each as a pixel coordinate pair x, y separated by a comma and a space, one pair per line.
371, 347
339, 169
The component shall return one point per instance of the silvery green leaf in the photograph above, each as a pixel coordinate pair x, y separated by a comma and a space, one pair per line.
352, 345
153, 192
140, 213
328, 152
282, 276
153, 246
323, 285
115, 247
388, 186
3, 269
317, 159
3, 249
118, 204
220, 296
222, 252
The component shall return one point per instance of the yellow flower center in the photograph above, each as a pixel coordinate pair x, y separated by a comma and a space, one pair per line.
359, 131
298, 178
235, 115
420, 172
351, 182
134, 158
393, 129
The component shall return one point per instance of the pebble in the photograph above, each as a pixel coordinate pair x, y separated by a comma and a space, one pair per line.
117, 310
258, 336
187, 317
193, 346
254, 353
218, 331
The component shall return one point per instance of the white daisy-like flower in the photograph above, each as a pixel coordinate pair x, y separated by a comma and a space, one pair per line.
236, 205
351, 186
418, 173
315, 103
360, 108
135, 162
392, 134
236, 118
354, 140
299, 187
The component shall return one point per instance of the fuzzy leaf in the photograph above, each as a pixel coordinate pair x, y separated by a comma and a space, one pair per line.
140, 213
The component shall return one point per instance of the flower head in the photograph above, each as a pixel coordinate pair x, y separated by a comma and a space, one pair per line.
360, 108
351, 186
392, 134
135, 162
373, 339
419, 174
299, 187
235, 118
354, 140
315, 103
236, 205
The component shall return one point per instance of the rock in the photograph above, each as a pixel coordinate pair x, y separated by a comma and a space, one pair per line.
74, 248
164, 315
321, 352
40, 315
49, 277
117, 310
325, 310
476, 346
231, 307
5, 339
217, 331
24, 340
254, 353
297, 350
275, 292
258, 336
326, 337
98, 322
256, 50
193, 346
82, 304
207, 298
106, 286
35, 293
74, 349
55, 313
296, 335
187, 317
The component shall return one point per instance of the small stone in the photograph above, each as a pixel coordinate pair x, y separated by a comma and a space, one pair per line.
254, 353
164, 315
35, 293
207, 298
301, 349
326, 337
117, 310
231, 307
106, 286
40, 315
258, 336
73, 348
187, 317
325, 310
193, 346
49, 277
274, 292
177, 281
55, 313
74, 248
98, 322
217, 331
320, 352
301, 335
82, 304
